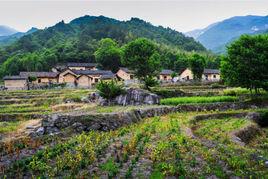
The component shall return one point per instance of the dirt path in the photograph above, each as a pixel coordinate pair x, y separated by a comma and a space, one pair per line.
22, 130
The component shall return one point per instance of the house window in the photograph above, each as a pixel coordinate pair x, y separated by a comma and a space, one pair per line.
39, 80
214, 76
206, 77
165, 77
96, 80
187, 77
131, 77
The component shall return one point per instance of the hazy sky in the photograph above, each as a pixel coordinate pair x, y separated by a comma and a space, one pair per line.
182, 15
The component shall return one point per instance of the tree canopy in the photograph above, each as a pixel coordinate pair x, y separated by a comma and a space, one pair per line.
197, 64
108, 55
141, 55
246, 62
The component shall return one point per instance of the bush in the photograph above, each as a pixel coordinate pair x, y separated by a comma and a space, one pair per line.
32, 78
150, 82
109, 89
264, 119
199, 99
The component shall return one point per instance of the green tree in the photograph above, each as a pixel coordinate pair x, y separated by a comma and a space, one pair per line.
108, 55
197, 65
173, 75
246, 62
141, 55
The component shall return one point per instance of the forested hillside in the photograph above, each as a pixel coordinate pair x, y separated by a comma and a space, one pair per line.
78, 40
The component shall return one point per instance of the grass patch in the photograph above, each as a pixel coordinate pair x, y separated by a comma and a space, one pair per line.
6, 127
197, 99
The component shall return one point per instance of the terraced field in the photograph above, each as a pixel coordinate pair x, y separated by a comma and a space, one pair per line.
171, 145
209, 144
18, 107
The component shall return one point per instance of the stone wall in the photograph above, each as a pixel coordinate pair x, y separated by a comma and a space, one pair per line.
111, 121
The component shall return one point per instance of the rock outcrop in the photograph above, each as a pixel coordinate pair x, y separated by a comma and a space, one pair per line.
137, 97
132, 96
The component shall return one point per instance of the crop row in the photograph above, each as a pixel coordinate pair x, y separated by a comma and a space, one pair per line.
197, 99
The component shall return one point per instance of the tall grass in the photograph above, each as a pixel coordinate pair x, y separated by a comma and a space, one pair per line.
197, 99
238, 91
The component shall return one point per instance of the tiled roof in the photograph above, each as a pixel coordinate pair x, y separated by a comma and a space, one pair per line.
81, 64
39, 74
92, 72
166, 72
126, 70
15, 78
108, 76
211, 71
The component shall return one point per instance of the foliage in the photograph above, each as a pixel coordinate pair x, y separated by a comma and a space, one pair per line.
197, 99
111, 167
108, 55
197, 64
109, 89
77, 41
32, 78
173, 75
150, 82
246, 62
141, 55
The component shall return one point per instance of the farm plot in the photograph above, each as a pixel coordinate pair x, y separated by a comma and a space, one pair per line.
17, 107
171, 145
197, 99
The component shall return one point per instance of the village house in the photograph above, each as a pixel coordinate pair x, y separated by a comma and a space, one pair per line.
15, 82
208, 75
125, 74
83, 75
41, 77
84, 78
165, 75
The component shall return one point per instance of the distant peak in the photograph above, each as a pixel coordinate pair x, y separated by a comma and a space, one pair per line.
5, 30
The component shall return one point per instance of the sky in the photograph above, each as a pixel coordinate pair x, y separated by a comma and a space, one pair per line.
181, 15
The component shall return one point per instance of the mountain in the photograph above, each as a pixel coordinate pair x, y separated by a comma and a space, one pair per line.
196, 33
78, 40
7, 40
5, 30
216, 36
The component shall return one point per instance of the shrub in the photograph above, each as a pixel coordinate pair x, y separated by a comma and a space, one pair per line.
150, 82
32, 78
195, 99
109, 89
264, 119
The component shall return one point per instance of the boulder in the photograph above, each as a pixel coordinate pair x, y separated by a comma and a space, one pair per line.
132, 96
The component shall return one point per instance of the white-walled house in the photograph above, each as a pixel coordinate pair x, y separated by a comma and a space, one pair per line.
208, 75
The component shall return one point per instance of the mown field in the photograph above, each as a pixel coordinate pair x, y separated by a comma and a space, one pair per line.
174, 145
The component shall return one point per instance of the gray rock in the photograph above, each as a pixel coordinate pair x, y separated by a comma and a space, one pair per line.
78, 127
253, 116
30, 127
40, 131
266, 164
137, 97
